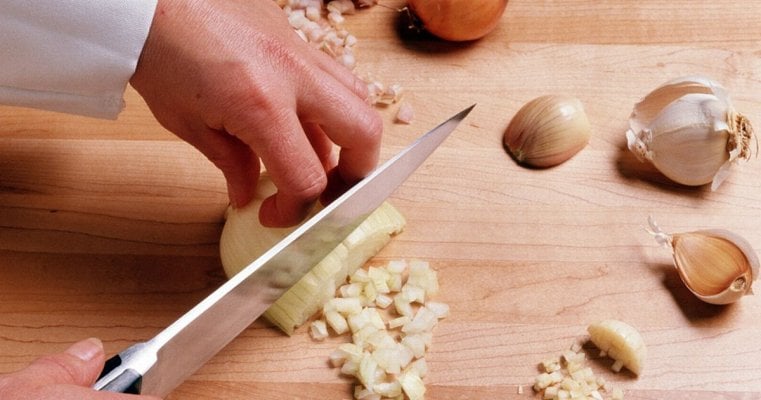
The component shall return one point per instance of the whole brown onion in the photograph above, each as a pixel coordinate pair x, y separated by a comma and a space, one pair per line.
458, 20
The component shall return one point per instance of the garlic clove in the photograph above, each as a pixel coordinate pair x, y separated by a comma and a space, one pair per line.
651, 106
689, 131
716, 265
622, 342
547, 131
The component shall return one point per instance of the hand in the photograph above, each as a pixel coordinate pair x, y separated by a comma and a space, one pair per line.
64, 376
233, 79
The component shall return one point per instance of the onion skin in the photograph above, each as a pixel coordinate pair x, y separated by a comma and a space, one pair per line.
458, 20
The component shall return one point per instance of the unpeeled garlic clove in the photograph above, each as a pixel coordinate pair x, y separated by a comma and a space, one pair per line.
718, 266
547, 131
689, 130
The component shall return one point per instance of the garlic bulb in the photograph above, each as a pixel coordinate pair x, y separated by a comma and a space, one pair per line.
547, 131
718, 266
689, 131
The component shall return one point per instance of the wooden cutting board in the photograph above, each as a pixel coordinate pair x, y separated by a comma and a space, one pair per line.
110, 229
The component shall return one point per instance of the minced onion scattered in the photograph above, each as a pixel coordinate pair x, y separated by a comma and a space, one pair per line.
321, 24
387, 352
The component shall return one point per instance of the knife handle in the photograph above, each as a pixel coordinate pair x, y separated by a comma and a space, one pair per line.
126, 381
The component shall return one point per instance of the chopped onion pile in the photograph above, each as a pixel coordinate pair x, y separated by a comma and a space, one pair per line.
322, 25
390, 316
567, 377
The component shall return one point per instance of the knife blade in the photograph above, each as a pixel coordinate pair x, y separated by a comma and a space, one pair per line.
157, 366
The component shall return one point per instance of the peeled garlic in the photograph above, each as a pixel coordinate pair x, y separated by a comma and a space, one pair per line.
689, 131
718, 266
547, 131
621, 342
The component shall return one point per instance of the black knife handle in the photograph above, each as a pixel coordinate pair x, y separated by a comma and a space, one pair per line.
128, 381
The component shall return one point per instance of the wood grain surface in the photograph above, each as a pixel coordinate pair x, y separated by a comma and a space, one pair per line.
110, 228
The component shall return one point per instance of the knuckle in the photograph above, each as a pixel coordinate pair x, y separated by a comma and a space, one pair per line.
373, 130
310, 187
375, 127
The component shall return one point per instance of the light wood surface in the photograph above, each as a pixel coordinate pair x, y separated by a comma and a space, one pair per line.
110, 229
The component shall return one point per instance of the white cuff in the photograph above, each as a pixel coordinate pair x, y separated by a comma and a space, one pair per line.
73, 56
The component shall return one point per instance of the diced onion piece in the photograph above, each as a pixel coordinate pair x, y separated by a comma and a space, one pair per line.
412, 386
418, 367
361, 393
386, 356
337, 322
423, 321
399, 321
360, 276
403, 305
379, 277
367, 370
346, 352
405, 356
381, 339
414, 294
344, 306
350, 290
318, 330
421, 275
416, 344
388, 359
383, 301
397, 266
350, 368
388, 389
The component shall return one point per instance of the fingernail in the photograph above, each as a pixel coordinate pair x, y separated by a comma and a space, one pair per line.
86, 350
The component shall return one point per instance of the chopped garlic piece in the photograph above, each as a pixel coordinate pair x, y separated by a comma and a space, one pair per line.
405, 114
568, 377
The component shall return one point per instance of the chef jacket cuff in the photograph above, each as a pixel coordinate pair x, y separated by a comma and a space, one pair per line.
72, 56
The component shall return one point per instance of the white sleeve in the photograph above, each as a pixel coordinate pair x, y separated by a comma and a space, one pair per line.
73, 56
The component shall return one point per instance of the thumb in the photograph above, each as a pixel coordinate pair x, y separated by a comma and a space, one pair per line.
79, 365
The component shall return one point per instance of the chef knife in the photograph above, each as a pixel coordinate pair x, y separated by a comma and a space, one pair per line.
159, 365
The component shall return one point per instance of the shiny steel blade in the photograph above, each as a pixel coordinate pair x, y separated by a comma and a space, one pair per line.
159, 365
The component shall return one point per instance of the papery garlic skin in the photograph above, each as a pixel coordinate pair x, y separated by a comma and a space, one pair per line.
689, 130
716, 265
